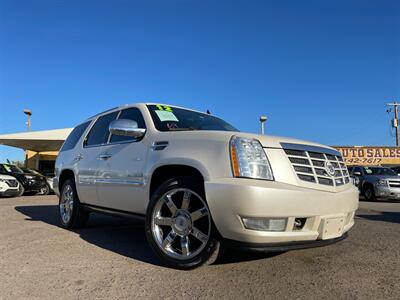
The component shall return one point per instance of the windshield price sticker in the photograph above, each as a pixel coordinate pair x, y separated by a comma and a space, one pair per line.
164, 107
166, 116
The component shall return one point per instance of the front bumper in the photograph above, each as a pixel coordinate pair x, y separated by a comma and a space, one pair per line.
9, 193
231, 199
281, 247
387, 192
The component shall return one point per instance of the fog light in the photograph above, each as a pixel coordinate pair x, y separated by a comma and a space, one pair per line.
265, 224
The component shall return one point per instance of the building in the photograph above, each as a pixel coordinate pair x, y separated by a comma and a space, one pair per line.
370, 155
43, 146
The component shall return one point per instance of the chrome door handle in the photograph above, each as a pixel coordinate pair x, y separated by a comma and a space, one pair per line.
78, 157
104, 156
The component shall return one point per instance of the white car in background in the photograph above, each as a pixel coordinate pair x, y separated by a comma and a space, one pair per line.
9, 186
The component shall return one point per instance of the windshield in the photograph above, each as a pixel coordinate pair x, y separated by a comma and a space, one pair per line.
168, 118
12, 169
379, 171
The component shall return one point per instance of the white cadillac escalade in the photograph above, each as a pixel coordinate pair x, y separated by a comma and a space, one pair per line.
200, 184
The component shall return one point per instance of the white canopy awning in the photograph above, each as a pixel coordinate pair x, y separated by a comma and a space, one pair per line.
38, 141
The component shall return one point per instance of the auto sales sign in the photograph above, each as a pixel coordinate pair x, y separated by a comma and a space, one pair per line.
370, 155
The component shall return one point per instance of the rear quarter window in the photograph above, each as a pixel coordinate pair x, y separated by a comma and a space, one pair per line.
74, 137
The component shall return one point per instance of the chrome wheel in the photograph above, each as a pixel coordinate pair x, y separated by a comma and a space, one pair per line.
181, 223
67, 204
44, 190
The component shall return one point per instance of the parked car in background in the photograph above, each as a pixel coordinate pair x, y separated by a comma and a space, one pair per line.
9, 186
47, 188
375, 182
396, 170
198, 183
31, 183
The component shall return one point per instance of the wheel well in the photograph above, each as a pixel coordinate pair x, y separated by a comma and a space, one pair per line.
367, 184
162, 174
65, 174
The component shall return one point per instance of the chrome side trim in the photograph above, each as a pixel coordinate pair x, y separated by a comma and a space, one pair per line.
310, 148
120, 181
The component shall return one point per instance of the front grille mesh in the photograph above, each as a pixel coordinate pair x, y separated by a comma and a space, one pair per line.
310, 166
12, 182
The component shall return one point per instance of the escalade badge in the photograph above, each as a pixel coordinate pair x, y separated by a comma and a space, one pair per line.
330, 169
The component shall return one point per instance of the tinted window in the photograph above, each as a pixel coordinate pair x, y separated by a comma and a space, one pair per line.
99, 132
74, 137
168, 118
379, 171
130, 114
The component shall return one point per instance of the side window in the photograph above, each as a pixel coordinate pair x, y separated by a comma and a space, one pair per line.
74, 137
99, 133
130, 114
2, 170
358, 169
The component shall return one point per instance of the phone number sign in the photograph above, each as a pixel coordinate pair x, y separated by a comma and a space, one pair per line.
370, 155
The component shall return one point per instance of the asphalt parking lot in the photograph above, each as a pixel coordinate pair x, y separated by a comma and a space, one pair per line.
111, 259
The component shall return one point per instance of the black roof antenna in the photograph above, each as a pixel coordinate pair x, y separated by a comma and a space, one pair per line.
208, 112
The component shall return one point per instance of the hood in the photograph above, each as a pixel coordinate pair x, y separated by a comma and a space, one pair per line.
270, 141
8, 177
386, 177
35, 176
267, 141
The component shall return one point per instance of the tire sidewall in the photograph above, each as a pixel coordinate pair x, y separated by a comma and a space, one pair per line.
212, 244
372, 193
76, 204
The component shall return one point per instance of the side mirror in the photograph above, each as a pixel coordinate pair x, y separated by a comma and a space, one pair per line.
125, 127
355, 180
357, 173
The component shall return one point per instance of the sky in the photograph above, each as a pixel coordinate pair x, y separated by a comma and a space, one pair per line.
320, 70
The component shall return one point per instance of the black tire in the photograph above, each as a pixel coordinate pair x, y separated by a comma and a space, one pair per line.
79, 216
369, 193
21, 190
211, 250
44, 191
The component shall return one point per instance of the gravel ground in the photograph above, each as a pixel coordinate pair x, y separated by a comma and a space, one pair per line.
111, 259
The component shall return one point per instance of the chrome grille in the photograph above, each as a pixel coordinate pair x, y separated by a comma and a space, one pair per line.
394, 183
309, 164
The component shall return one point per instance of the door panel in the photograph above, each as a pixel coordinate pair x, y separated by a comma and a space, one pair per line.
88, 158
121, 183
87, 165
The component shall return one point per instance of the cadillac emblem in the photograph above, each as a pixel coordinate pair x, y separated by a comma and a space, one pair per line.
330, 169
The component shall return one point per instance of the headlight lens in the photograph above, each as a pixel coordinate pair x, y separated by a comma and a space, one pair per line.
382, 182
249, 159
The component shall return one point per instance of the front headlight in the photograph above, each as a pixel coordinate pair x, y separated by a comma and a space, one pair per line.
382, 182
248, 159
